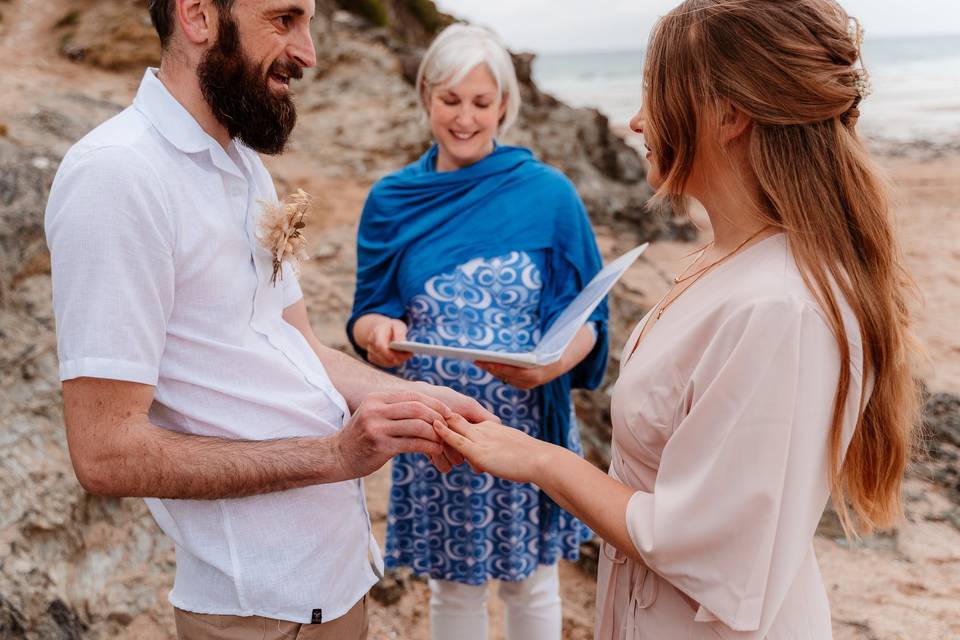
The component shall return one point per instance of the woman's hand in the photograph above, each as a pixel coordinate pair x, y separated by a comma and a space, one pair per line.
377, 342
524, 378
462, 406
505, 452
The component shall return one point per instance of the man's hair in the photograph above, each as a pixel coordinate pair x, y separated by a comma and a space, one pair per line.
163, 16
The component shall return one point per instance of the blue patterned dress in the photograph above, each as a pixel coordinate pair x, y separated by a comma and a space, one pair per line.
464, 526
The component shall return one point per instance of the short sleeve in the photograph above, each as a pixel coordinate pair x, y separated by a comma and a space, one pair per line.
291, 286
743, 480
112, 262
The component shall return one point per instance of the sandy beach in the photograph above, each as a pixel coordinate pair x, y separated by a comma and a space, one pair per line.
927, 205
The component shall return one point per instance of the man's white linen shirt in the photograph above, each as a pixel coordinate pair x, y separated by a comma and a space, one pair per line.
159, 278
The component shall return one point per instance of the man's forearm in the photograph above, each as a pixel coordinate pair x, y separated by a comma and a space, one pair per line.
355, 379
352, 378
144, 460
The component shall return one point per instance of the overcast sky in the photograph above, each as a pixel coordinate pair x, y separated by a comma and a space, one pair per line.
577, 25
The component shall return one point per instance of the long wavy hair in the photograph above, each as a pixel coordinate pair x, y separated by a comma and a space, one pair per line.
792, 67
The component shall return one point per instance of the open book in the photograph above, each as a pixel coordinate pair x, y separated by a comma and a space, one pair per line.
557, 338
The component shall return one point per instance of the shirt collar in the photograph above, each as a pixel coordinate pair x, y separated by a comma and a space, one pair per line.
172, 120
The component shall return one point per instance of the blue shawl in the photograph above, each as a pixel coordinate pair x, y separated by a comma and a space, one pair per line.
431, 222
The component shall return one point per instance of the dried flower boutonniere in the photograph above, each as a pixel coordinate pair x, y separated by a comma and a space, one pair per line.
281, 231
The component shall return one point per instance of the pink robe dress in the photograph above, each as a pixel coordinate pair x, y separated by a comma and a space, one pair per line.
721, 421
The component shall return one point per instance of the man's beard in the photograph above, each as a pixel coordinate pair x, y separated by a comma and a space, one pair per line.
239, 94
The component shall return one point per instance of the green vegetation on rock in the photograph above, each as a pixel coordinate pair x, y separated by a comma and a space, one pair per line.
427, 14
69, 20
373, 10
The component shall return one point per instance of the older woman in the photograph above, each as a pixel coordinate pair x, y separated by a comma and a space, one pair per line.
479, 245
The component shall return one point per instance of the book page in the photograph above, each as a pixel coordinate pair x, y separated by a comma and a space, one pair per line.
555, 341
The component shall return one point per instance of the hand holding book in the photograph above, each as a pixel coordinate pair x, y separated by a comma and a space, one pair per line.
556, 340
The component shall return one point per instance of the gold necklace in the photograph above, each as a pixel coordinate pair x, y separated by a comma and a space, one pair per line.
702, 272
664, 303
679, 279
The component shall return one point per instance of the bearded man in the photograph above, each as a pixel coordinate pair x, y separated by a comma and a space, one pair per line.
189, 378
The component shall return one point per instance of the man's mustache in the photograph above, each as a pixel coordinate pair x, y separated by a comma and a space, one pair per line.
287, 68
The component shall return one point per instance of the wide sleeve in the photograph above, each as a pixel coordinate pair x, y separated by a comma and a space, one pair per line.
112, 263
377, 289
743, 479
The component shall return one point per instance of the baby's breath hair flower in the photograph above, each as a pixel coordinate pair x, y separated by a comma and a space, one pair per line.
281, 231
856, 34
862, 84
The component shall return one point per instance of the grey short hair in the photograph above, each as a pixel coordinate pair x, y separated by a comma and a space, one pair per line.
456, 52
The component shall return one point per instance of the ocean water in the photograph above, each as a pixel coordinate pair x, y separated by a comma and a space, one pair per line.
916, 86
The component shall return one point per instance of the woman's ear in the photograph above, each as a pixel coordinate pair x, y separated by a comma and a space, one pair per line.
197, 20
504, 99
734, 122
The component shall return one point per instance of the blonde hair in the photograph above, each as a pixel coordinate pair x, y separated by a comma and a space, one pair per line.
456, 52
792, 68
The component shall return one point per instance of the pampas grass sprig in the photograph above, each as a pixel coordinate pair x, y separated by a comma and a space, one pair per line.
281, 231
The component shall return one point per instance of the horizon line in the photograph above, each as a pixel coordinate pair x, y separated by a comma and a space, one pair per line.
643, 46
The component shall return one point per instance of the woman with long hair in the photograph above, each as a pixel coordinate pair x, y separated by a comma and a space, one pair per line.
777, 369
479, 245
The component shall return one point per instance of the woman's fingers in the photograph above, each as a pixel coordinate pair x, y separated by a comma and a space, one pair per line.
398, 331
379, 348
453, 456
461, 425
519, 377
498, 369
381, 338
442, 460
452, 438
491, 368
459, 443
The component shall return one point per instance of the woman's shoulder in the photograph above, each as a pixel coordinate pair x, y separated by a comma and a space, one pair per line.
767, 287
544, 173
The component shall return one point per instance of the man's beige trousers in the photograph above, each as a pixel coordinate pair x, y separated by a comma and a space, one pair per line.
198, 626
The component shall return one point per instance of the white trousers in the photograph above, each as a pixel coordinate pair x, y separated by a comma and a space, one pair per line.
459, 611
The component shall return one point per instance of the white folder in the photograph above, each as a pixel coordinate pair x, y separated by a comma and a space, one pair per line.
557, 338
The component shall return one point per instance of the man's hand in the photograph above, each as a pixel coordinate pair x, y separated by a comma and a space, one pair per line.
355, 381
389, 423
